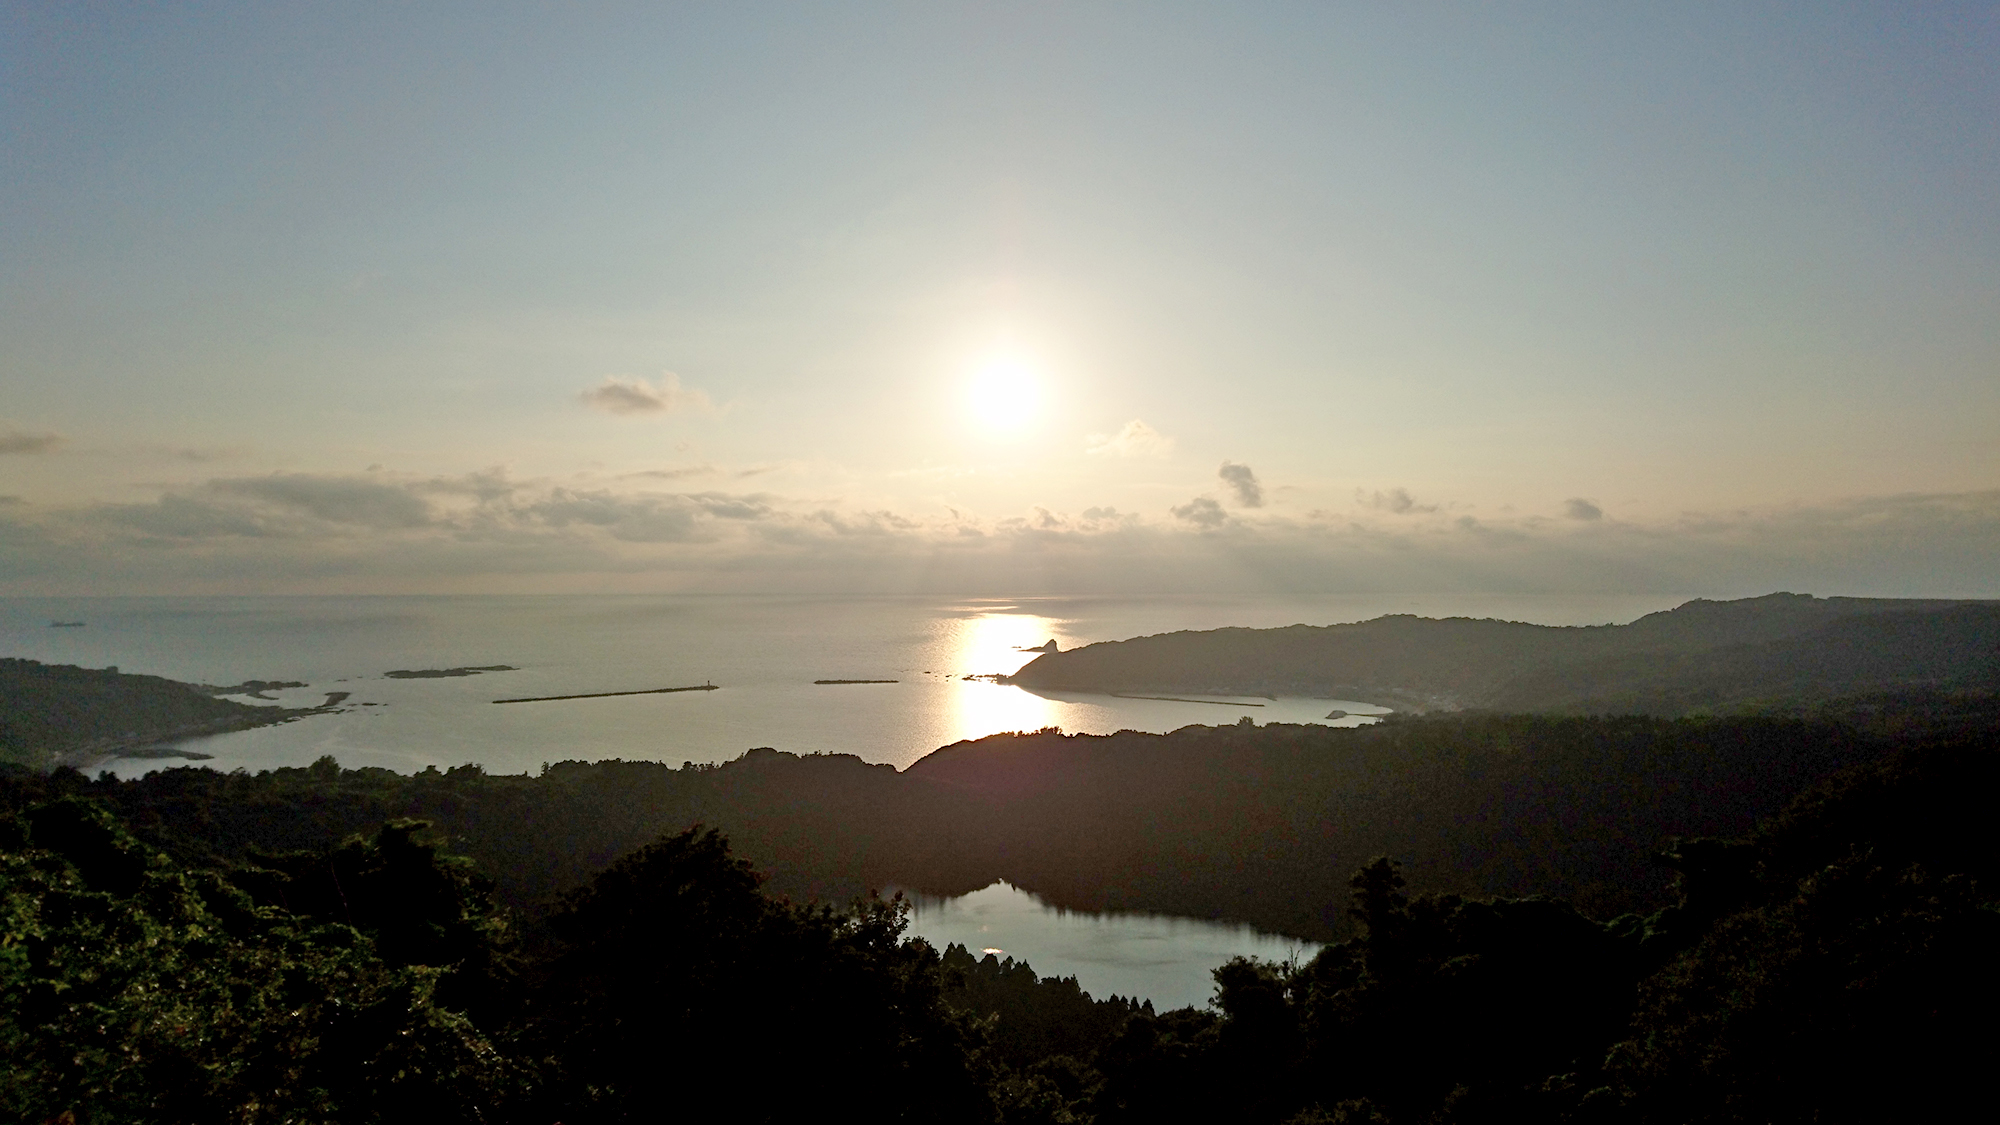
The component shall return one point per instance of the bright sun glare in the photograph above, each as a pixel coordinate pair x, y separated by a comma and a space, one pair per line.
1005, 393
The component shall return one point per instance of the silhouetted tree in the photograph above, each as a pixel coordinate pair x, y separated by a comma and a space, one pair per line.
678, 984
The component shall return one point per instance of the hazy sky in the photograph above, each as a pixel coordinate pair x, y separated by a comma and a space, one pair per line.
1000, 297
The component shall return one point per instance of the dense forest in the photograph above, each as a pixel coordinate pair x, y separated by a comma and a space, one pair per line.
1833, 963
1254, 824
1705, 657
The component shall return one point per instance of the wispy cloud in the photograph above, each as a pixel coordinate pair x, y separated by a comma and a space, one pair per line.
344, 500
1242, 482
618, 395
1135, 439
27, 441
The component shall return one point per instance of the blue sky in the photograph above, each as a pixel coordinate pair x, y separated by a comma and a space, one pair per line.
341, 297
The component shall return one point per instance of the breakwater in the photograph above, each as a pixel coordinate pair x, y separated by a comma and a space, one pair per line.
609, 694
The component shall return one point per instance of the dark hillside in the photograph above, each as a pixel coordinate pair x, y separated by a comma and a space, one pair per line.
1262, 824
1946, 650
826, 827
1704, 656
52, 711
1834, 965
1259, 824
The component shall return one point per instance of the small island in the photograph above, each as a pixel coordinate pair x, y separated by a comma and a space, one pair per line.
857, 681
446, 673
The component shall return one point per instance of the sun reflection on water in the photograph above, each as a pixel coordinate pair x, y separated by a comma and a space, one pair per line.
989, 643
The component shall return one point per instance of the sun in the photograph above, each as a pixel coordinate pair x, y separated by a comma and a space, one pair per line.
1004, 393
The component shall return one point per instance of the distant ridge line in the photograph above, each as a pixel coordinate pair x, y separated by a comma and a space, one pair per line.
608, 694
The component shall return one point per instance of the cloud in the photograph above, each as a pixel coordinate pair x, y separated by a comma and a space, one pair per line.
1203, 512
630, 519
488, 532
23, 441
1577, 508
637, 396
1243, 482
185, 518
1397, 501
1136, 439
364, 503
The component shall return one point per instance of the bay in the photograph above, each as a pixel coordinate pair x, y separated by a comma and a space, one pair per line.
763, 653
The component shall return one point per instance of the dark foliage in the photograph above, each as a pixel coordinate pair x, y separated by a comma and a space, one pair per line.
1258, 824
1836, 963
1034, 1018
676, 983
1263, 823
134, 990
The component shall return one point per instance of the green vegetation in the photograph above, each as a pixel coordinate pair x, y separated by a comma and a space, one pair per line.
136, 989
1835, 964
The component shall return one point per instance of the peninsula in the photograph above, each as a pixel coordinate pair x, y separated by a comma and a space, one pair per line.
60, 714
1705, 657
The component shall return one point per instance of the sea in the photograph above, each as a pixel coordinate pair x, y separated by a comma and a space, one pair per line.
763, 654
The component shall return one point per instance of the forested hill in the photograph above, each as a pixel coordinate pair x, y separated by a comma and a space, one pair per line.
55, 712
1784, 650
1256, 824
1835, 965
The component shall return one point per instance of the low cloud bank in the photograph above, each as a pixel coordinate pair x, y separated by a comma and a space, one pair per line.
377, 531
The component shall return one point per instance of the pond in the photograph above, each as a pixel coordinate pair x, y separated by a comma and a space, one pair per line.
1150, 956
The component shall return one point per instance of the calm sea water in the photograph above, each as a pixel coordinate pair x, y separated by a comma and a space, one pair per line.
764, 653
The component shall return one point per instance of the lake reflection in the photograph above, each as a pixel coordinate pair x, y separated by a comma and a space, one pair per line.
1149, 956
